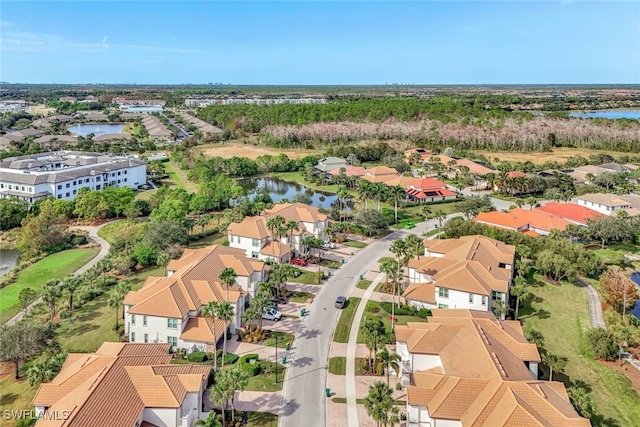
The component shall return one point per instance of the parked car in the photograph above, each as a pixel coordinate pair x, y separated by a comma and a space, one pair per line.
329, 245
278, 299
341, 301
272, 314
299, 261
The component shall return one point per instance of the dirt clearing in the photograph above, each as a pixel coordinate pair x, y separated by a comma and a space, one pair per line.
227, 151
558, 154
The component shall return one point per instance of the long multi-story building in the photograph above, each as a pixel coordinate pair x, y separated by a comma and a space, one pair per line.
62, 174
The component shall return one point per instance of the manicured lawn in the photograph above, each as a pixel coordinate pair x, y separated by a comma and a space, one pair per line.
560, 313
262, 382
614, 254
354, 244
56, 266
307, 277
363, 284
300, 297
373, 309
261, 419
346, 319
338, 365
14, 396
283, 339
121, 230
330, 263
178, 177
214, 239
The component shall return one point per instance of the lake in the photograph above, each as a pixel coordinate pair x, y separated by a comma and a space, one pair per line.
279, 189
608, 114
8, 259
636, 310
85, 129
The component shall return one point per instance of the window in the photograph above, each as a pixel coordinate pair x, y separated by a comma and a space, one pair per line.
113, 174
118, 173
98, 178
238, 239
144, 320
484, 300
443, 306
172, 323
87, 180
75, 191
59, 196
470, 298
125, 172
133, 337
443, 292
98, 187
173, 341
68, 185
146, 337
59, 187
255, 243
75, 183
125, 180
68, 194
118, 181
254, 254
133, 319
22, 188
496, 295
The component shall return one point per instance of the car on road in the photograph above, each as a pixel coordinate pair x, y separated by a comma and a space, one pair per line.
341, 301
329, 245
272, 314
299, 261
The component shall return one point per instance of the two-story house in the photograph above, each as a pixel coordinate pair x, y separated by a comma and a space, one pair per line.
123, 384
467, 368
259, 242
606, 204
471, 272
532, 222
170, 309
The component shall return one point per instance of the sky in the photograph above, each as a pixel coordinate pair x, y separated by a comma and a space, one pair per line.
316, 43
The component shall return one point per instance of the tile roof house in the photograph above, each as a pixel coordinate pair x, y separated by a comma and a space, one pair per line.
380, 174
497, 386
122, 384
169, 309
470, 272
606, 204
571, 212
258, 241
523, 221
428, 190
329, 163
348, 171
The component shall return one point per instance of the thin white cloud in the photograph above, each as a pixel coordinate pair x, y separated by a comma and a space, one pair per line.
105, 43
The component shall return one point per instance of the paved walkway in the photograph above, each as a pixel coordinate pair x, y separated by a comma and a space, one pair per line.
595, 307
352, 409
104, 251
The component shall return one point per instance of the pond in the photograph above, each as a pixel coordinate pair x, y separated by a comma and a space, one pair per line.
608, 114
8, 259
85, 129
279, 189
636, 310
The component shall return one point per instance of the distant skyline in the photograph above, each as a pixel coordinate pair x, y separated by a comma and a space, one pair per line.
320, 43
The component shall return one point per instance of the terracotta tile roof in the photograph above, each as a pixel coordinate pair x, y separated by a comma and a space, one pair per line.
479, 248
298, 212
516, 174
421, 292
443, 159
442, 192
427, 183
130, 378
254, 227
200, 329
275, 249
400, 181
349, 171
207, 263
381, 170
474, 167
518, 218
571, 212
380, 178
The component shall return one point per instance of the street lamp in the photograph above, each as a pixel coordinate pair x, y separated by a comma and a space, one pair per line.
277, 336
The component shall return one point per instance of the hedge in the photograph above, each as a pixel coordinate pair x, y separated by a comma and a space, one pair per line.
197, 356
229, 358
405, 310
250, 364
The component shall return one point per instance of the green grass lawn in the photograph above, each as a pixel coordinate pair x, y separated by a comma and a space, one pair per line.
214, 239
373, 309
561, 314
307, 278
384, 258
614, 254
363, 284
346, 319
56, 266
178, 178
262, 382
300, 297
120, 230
261, 419
15, 395
354, 244
284, 338
338, 365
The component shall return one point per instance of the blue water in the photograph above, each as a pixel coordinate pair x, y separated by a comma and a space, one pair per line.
279, 189
144, 110
8, 259
636, 310
96, 129
608, 114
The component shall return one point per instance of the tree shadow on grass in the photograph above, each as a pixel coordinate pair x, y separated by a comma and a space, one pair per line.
7, 399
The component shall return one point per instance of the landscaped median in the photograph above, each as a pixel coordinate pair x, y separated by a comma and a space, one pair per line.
346, 319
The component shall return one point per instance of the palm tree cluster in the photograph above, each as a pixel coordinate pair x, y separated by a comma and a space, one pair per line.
227, 381
116, 298
380, 192
380, 405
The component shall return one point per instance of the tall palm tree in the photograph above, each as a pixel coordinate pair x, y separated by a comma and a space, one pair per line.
500, 308
379, 405
211, 311
397, 194
163, 260
260, 302
114, 302
400, 249
364, 191
227, 382
290, 226
520, 291
374, 336
415, 245
225, 313
379, 191
426, 211
210, 421
275, 222
554, 362
228, 277
71, 284
388, 361
342, 193
51, 293
389, 267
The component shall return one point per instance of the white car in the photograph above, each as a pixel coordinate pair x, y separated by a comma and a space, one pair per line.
272, 314
329, 245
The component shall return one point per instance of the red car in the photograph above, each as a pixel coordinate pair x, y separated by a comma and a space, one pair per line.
299, 261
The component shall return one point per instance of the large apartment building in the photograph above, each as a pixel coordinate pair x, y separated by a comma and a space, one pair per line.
61, 174
472, 272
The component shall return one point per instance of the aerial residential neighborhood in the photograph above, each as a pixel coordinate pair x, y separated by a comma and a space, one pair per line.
319, 214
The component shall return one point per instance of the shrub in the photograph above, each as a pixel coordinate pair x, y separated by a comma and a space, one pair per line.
58, 248
398, 386
423, 313
403, 310
76, 240
603, 344
229, 358
197, 356
250, 364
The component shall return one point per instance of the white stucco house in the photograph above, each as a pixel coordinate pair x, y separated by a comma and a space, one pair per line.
606, 204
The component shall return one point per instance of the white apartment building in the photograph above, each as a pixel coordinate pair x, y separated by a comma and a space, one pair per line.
61, 174
254, 236
472, 272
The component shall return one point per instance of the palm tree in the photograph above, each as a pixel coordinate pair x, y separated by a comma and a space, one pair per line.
582, 401
227, 382
440, 215
415, 245
500, 308
211, 310
536, 337
520, 291
397, 194
163, 260
71, 284
114, 302
389, 267
364, 191
400, 249
228, 277
290, 226
426, 211
374, 334
210, 421
388, 361
275, 222
342, 193
260, 302
379, 405
51, 293
554, 362
225, 313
